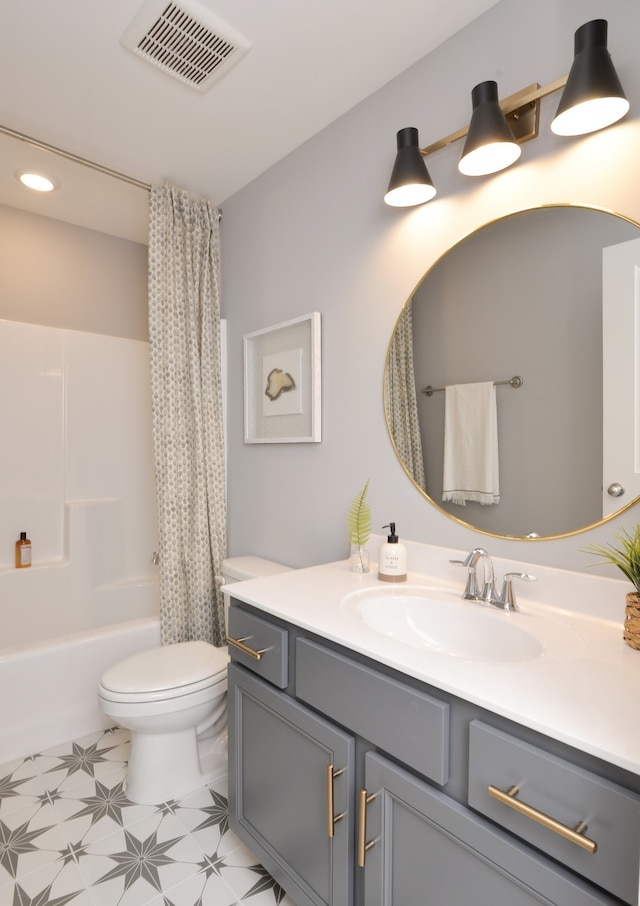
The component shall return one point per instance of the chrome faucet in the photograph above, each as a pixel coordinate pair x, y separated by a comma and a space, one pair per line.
486, 592
489, 593
474, 589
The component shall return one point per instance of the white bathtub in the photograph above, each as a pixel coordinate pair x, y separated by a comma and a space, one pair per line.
48, 684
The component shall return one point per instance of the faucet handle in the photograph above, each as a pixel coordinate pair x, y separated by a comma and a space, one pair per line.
471, 591
507, 599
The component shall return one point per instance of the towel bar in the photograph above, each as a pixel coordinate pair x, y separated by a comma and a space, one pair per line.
516, 382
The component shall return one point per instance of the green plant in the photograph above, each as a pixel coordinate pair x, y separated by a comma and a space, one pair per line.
359, 518
626, 556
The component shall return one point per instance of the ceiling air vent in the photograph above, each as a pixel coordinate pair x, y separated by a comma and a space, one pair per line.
185, 40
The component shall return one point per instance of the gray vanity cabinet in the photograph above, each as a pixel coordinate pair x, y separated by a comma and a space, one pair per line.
422, 847
342, 783
282, 795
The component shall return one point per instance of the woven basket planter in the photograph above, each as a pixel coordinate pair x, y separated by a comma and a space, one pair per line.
632, 620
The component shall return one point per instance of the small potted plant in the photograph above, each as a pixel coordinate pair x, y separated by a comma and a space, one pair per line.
626, 556
359, 524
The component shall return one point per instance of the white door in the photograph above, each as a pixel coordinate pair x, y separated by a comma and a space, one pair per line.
621, 375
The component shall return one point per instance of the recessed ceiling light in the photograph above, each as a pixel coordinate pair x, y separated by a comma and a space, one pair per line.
40, 182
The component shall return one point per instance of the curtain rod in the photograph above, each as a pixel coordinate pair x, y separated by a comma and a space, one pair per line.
76, 158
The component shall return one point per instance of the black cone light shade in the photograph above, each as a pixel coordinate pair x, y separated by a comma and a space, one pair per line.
593, 96
490, 145
410, 183
592, 99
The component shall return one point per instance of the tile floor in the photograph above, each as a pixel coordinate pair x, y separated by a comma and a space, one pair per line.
68, 834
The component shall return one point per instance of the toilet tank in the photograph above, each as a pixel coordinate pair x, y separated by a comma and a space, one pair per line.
237, 569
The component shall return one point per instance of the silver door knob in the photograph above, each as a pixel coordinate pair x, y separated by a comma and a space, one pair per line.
615, 490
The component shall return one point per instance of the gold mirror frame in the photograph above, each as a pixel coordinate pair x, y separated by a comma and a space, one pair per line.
456, 245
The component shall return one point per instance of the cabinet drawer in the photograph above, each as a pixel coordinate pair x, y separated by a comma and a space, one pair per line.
267, 642
405, 723
606, 814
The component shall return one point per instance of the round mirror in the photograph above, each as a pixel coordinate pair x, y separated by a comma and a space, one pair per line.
515, 311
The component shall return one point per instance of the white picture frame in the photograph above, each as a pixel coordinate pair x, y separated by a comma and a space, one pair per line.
282, 382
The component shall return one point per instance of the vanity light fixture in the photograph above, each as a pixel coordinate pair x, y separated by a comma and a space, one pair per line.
593, 99
40, 182
410, 183
490, 145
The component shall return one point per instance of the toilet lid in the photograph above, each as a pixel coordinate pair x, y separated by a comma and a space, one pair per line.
167, 667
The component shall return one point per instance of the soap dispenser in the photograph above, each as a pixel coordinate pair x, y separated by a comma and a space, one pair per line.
392, 561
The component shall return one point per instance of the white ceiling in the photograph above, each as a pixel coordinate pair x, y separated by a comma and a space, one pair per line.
68, 81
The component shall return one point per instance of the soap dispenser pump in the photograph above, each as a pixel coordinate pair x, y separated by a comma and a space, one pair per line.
392, 561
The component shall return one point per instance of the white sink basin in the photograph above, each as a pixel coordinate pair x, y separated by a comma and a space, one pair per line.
438, 620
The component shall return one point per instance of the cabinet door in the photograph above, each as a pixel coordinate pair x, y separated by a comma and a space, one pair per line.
281, 791
428, 849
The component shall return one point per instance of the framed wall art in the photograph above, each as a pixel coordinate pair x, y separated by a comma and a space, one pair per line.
282, 383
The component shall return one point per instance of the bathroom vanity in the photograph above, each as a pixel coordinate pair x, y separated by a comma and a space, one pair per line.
370, 766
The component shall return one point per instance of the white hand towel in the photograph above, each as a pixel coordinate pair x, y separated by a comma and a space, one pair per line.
471, 444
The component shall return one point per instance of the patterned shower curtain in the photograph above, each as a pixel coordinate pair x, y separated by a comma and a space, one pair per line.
400, 398
186, 386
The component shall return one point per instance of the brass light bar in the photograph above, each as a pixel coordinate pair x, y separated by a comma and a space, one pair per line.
522, 111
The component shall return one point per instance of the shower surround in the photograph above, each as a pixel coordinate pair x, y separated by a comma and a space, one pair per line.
76, 473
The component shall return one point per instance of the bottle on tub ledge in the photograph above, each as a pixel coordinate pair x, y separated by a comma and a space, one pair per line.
23, 551
392, 561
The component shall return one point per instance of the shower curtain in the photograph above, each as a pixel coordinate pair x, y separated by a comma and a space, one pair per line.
400, 397
186, 387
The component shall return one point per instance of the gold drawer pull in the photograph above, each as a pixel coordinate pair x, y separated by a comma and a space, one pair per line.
574, 835
331, 818
238, 643
363, 846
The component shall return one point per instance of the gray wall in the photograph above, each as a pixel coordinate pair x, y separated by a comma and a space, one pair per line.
312, 234
59, 275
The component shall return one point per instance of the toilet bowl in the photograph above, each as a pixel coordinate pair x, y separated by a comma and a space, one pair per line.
173, 700
166, 697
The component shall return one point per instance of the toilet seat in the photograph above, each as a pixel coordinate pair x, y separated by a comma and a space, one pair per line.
205, 690
166, 672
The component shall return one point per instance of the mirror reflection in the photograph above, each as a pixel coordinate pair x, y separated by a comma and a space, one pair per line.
520, 297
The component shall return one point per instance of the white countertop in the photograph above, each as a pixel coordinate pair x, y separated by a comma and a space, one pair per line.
582, 689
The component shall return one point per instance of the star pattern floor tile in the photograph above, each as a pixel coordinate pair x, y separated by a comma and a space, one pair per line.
68, 834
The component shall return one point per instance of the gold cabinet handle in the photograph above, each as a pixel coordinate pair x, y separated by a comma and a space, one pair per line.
239, 643
574, 835
331, 818
363, 846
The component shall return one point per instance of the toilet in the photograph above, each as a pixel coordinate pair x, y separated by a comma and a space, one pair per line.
173, 700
